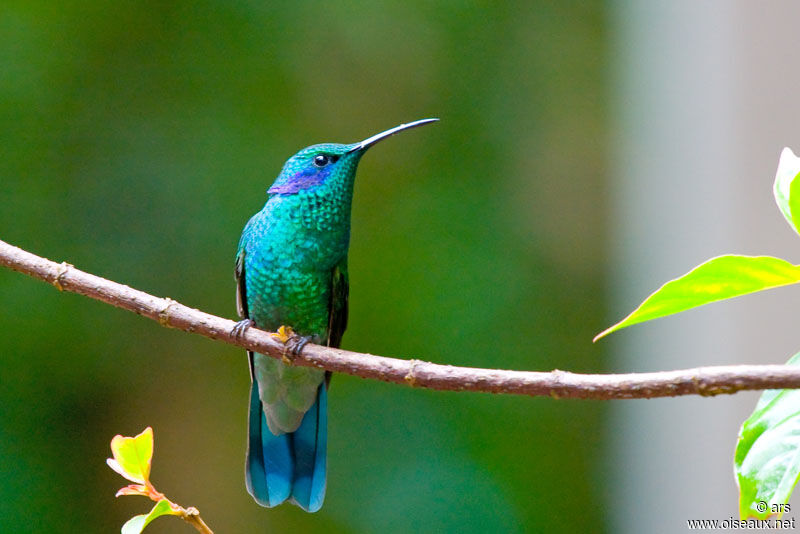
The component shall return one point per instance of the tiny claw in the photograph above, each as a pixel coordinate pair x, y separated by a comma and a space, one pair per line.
292, 343
241, 327
292, 347
296, 344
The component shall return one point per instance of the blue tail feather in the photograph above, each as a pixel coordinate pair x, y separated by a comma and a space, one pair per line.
289, 464
269, 464
309, 444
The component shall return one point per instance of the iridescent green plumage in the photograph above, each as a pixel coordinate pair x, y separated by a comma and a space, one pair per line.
295, 254
292, 270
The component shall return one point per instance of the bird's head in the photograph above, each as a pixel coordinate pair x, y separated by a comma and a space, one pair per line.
314, 165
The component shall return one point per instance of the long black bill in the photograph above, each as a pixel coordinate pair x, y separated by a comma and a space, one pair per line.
369, 141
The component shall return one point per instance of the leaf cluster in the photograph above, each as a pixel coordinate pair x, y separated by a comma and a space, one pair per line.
767, 458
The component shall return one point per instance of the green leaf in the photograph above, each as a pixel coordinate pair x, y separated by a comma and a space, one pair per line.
719, 278
787, 187
767, 458
132, 456
136, 524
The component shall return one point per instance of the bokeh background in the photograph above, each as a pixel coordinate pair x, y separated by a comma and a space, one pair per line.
137, 138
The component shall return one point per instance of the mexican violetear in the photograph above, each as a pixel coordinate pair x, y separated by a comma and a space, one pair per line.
291, 270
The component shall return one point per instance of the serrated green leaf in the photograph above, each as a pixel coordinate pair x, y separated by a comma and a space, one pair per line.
719, 278
132, 456
787, 187
767, 458
136, 524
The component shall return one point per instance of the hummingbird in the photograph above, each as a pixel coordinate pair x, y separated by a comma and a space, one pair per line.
291, 276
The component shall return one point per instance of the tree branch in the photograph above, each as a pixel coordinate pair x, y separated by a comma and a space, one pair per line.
558, 384
192, 516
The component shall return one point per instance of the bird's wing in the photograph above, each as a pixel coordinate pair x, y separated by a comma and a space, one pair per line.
241, 290
241, 299
340, 288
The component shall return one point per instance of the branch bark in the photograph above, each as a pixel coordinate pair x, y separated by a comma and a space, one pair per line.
705, 381
192, 516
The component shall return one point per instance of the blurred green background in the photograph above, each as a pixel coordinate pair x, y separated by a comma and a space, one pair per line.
137, 138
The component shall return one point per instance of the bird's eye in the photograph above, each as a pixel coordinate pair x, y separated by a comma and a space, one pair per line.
321, 160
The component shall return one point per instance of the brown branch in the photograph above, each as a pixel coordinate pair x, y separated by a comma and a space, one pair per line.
557, 384
192, 516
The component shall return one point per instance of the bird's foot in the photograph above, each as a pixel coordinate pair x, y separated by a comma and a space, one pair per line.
293, 344
296, 344
241, 327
